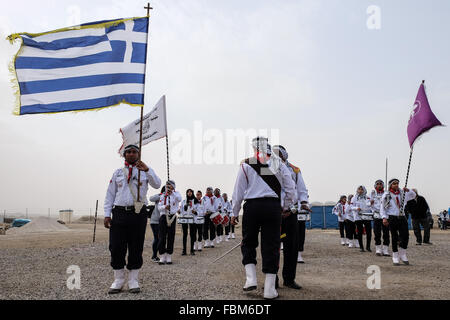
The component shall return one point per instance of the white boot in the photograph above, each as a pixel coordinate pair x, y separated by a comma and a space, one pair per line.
299, 258
378, 250
207, 244
346, 241
395, 259
386, 251
233, 236
119, 281
227, 238
343, 241
195, 246
356, 243
281, 247
350, 243
133, 284
269, 286
199, 247
211, 243
163, 259
250, 274
168, 258
402, 255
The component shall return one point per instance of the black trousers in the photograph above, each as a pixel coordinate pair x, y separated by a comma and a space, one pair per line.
360, 224
166, 235
219, 230
227, 229
301, 235
127, 232
416, 223
191, 228
262, 214
209, 228
350, 229
289, 226
199, 230
155, 230
342, 228
398, 226
378, 228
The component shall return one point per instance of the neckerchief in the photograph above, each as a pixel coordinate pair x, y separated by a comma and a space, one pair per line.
130, 170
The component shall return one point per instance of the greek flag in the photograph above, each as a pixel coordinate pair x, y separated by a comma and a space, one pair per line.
91, 66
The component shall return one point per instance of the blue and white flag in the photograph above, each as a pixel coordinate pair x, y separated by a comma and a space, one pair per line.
91, 66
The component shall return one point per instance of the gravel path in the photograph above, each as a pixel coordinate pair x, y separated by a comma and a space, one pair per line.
330, 272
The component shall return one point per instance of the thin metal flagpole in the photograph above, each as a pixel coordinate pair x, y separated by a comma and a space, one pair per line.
167, 139
386, 177
406, 181
148, 8
95, 221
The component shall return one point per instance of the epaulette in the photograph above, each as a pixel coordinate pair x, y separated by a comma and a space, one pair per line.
296, 169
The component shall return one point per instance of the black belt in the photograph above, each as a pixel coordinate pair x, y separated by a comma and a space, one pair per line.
396, 217
127, 208
263, 199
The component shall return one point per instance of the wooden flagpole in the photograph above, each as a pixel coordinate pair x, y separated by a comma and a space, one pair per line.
148, 8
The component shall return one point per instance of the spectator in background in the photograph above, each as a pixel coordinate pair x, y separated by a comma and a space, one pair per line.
419, 210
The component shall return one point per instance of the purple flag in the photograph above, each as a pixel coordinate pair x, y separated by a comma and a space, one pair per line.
422, 118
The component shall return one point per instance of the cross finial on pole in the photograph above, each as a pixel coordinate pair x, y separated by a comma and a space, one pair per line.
148, 9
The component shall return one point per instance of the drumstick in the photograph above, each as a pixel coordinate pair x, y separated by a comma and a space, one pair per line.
238, 245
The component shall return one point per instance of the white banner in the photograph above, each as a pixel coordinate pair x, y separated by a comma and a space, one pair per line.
154, 127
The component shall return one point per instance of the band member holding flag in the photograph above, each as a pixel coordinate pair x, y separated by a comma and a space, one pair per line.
259, 182
394, 218
126, 226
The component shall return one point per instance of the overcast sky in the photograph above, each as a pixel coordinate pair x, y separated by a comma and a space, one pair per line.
338, 93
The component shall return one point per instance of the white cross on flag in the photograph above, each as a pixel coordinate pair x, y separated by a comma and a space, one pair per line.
154, 127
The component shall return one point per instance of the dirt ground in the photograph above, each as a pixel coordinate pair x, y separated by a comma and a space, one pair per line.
34, 266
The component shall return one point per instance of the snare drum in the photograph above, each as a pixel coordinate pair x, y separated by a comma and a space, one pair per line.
216, 218
199, 220
186, 219
366, 216
226, 219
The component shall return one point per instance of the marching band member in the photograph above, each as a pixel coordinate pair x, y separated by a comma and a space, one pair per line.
339, 211
350, 222
168, 206
259, 182
126, 227
360, 206
154, 223
218, 207
209, 227
378, 226
198, 214
227, 209
294, 229
394, 217
233, 235
186, 209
